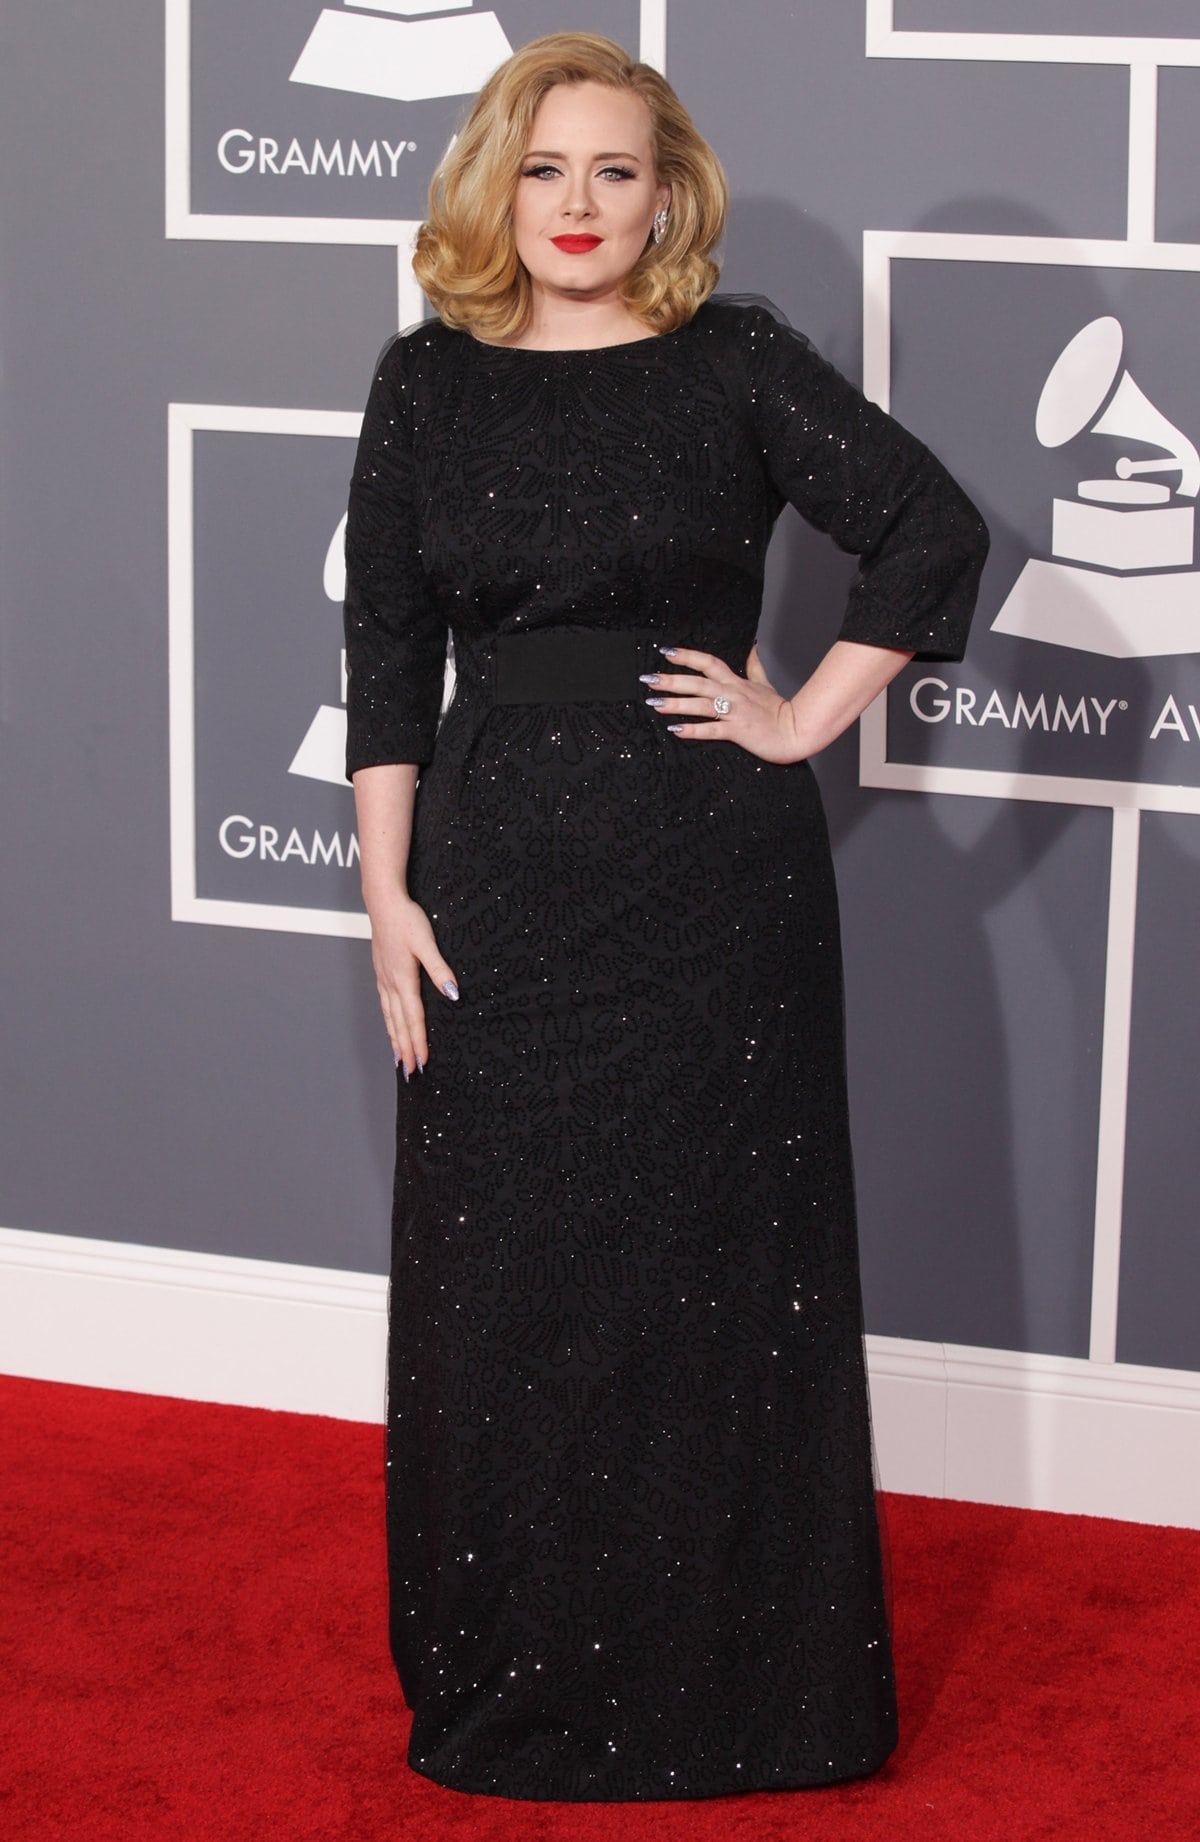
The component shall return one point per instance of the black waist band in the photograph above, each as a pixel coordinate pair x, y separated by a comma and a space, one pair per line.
572, 665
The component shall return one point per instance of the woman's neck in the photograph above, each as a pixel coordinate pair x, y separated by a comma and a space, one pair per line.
560, 324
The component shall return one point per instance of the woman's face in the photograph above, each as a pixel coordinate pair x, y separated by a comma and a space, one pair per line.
587, 195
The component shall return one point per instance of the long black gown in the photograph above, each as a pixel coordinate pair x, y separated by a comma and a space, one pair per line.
631, 1524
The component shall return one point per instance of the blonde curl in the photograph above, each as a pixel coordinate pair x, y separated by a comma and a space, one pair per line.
466, 258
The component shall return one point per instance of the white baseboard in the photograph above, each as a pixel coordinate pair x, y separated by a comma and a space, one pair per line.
1039, 1432
204, 1327
990, 1426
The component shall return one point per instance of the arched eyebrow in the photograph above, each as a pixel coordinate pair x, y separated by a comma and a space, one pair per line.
546, 153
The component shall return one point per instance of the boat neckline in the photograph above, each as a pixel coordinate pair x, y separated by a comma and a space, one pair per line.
577, 351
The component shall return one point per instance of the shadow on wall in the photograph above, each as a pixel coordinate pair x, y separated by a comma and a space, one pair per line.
964, 993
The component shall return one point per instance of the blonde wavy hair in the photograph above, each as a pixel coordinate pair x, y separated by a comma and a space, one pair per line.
466, 258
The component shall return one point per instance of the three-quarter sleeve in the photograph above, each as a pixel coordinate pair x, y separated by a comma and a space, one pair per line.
395, 637
856, 473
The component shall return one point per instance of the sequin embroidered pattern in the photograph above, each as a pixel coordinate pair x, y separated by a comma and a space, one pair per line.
632, 1541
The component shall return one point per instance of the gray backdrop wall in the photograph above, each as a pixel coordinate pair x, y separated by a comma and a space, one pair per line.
192, 1053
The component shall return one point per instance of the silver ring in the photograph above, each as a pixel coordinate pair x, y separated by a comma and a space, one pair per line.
722, 705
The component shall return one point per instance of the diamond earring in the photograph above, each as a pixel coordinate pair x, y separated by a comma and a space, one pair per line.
660, 225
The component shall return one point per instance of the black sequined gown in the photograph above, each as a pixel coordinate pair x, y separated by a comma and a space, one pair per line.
631, 1524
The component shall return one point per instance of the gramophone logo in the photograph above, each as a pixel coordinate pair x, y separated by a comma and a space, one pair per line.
1121, 580
322, 753
403, 49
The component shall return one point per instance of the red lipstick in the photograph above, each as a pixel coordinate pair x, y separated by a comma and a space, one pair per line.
576, 245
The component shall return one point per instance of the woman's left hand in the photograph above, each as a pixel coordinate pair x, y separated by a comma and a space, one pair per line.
748, 711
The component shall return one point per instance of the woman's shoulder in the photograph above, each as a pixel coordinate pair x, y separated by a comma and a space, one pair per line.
743, 315
751, 325
406, 352
432, 335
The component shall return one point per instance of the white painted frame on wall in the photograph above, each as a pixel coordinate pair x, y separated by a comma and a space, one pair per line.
887, 40
882, 248
183, 222
183, 421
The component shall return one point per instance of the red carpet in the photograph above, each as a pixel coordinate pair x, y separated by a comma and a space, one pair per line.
194, 1647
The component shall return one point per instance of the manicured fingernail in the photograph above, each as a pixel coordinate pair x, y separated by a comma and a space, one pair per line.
395, 1058
420, 1066
656, 703
404, 1065
647, 677
669, 650
450, 988
674, 728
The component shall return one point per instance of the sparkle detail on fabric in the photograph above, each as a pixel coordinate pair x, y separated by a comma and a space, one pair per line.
632, 1538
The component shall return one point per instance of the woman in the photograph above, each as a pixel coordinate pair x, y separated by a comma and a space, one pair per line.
632, 1539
